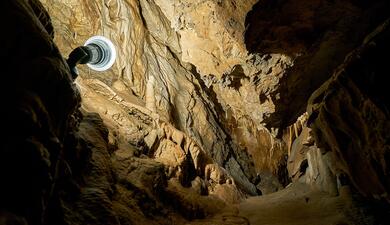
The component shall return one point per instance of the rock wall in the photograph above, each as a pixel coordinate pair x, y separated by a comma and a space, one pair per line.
349, 116
342, 138
165, 57
317, 35
307, 163
60, 165
39, 113
176, 129
186, 63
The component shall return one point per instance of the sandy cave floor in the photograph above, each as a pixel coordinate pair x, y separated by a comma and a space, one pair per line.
295, 205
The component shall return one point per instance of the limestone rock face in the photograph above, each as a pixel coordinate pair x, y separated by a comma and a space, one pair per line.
188, 76
349, 115
341, 139
306, 162
185, 69
211, 32
317, 35
205, 106
39, 113
346, 123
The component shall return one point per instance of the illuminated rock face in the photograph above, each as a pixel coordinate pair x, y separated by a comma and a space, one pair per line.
184, 66
211, 32
184, 71
176, 129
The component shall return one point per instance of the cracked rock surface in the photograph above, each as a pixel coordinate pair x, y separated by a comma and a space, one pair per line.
209, 104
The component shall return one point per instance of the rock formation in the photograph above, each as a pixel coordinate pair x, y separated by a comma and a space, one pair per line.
208, 103
349, 116
155, 76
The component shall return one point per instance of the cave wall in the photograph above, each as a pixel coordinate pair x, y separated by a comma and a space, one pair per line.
218, 73
176, 130
350, 118
317, 35
163, 69
342, 137
39, 111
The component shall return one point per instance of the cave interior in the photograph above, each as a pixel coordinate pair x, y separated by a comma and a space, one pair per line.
215, 112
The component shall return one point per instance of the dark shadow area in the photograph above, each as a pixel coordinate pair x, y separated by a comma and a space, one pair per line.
318, 34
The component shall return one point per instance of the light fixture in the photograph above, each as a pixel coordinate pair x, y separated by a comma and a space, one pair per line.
102, 53
98, 53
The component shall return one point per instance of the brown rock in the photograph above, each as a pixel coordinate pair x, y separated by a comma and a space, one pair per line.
348, 115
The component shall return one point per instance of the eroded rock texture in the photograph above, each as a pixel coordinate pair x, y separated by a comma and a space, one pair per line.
176, 130
317, 35
40, 104
350, 116
188, 76
342, 139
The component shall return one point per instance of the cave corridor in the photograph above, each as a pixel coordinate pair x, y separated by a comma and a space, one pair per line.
271, 112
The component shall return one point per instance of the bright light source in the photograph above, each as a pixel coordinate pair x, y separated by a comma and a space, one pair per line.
102, 53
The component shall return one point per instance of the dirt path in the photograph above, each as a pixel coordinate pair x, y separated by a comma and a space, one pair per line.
295, 205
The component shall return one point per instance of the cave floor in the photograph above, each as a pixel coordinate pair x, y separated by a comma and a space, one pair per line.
295, 205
